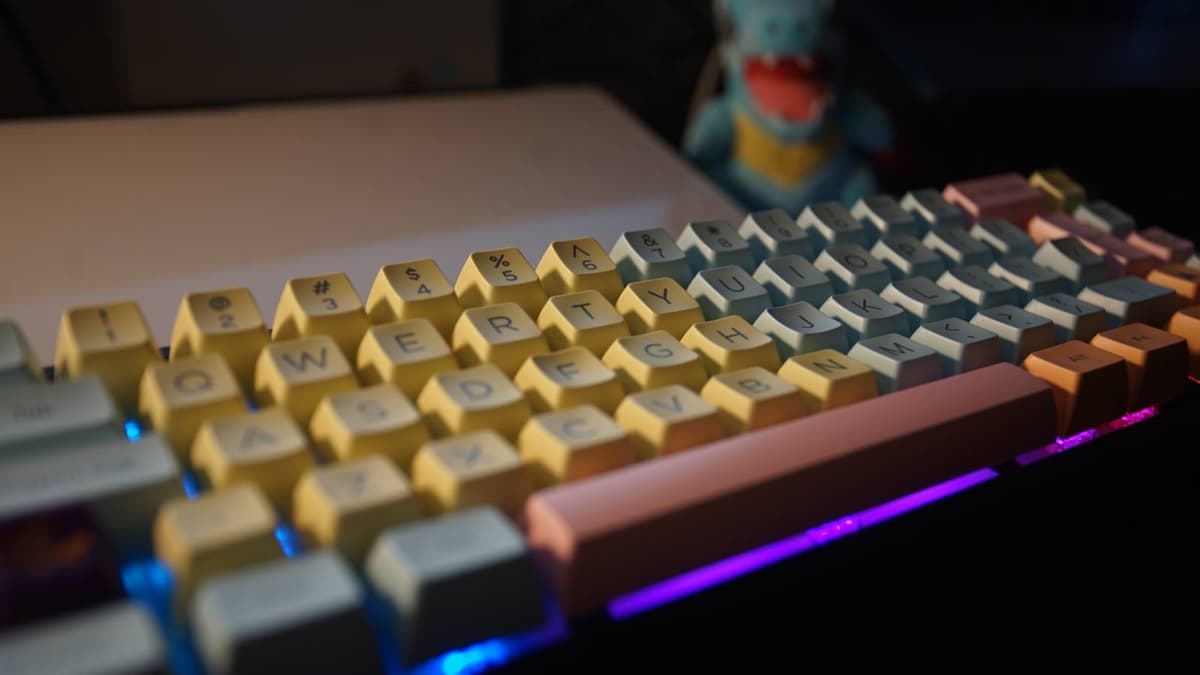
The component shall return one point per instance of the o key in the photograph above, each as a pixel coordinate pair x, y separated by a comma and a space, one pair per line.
1156, 361
1084, 379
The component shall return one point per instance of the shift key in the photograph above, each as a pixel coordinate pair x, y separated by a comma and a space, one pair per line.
67, 412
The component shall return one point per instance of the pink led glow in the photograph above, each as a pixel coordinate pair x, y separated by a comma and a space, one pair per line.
1064, 444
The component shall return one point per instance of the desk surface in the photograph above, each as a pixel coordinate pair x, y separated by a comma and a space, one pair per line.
150, 207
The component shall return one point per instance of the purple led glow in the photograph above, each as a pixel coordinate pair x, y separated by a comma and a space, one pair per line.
1064, 444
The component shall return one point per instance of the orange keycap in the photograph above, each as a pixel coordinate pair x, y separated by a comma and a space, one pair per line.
1186, 324
1184, 280
1156, 362
1121, 258
1007, 196
1162, 244
1089, 384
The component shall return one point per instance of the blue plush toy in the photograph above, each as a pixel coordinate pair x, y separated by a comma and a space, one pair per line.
788, 131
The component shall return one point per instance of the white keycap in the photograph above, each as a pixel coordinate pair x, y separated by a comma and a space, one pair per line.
72, 411
1130, 300
933, 208
774, 233
962, 346
800, 328
850, 267
907, 257
1105, 217
979, 290
958, 248
722, 291
829, 224
650, 254
865, 314
790, 278
886, 218
1073, 319
1030, 278
1004, 238
300, 615
714, 243
116, 639
1020, 333
18, 365
1070, 258
1194, 261
922, 300
898, 362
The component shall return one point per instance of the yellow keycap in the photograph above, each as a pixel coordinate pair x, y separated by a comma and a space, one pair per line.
473, 399
573, 444
658, 304
753, 398
416, 289
568, 378
297, 374
654, 360
216, 533
178, 397
405, 353
731, 343
266, 448
1062, 190
225, 322
828, 379
111, 341
577, 265
667, 420
502, 335
324, 305
345, 506
585, 319
500, 275
377, 420
470, 470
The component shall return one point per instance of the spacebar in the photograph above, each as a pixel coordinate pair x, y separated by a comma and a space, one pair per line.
621, 531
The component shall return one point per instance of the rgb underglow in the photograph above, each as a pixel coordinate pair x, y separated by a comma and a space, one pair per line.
481, 656
289, 540
133, 429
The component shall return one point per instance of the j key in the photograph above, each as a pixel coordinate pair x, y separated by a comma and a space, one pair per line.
714, 243
110, 341
1020, 333
1030, 278
1071, 259
1186, 324
1084, 380
1063, 192
416, 289
67, 412
850, 267
1007, 196
641, 255
830, 224
722, 291
225, 322
1131, 299
773, 233
121, 638
923, 301
1162, 244
322, 305
885, 216
499, 275
578, 265
1073, 318
1155, 361
978, 289
18, 365
898, 362
791, 278
865, 314
1105, 217
907, 257
933, 208
1182, 279
1004, 238
799, 328
962, 346
957, 248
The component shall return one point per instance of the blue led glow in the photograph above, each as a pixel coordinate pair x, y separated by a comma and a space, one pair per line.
289, 540
192, 486
492, 653
133, 429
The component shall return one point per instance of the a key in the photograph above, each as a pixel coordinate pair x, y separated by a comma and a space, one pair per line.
978, 289
641, 255
753, 398
658, 304
375, 420
572, 444
1131, 299
790, 279
568, 378
1119, 257
1105, 217
828, 379
1162, 244
285, 617
653, 360
714, 243
225, 322
1073, 319
473, 399
961, 345
722, 291
1182, 279
933, 208
215, 533
1020, 333
1064, 193
1007, 196
1004, 238
345, 506
850, 267
774, 233
668, 420
473, 469
1071, 259
922, 300
502, 335
575, 265
1030, 278
18, 365
1088, 384
885, 216
865, 314
799, 328
117, 638
1156, 362
585, 319
499, 275
456, 580
266, 448
404, 353
906, 257
898, 362
321, 305
1186, 324
958, 248
66, 413
177, 397
110, 341
830, 224
297, 374
416, 289
731, 343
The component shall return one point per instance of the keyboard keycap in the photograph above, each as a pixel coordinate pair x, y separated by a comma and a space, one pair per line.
1162, 244
731, 343
576, 265
961, 345
922, 300
451, 474
850, 267
1086, 383
865, 314
1073, 318
586, 319
885, 217
1105, 217
177, 397
572, 444
405, 354
658, 304
772, 234
654, 360
1020, 333
714, 243
64, 413
1131, 299
830, 224
828, 379
978, 289
1119, 257
295, 616
641, 255
456, 580
499, 275
1064, 193
502, 335
898, 362
1183, 280
321, 305
117, 639
569, 378
110, 341
18, 365
958, 248
416, 289
906, 257
345, 506
933, 208
1071, 259
225, 322
668, 420
265, 448
753, 398
1186, 324
473, 399
1155, 362
1031, 279
1004, 238
1007, 196
375, 420
297, 374
594, 534
722, 291
790, 279
799, 328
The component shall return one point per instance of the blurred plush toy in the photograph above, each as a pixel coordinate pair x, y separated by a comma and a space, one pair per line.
787, 131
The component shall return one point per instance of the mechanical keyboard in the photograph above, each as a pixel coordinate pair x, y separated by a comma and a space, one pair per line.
449, 472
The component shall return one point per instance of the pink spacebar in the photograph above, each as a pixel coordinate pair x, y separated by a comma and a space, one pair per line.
618, 532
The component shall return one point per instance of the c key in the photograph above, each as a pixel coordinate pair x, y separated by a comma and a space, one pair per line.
1087, 384
573, 444
324, 305
223, 322
110, 341
1156, 362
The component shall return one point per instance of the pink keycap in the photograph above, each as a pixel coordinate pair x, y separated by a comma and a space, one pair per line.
1162, 244
1005, 195
1122, 259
